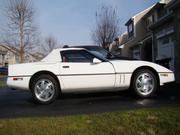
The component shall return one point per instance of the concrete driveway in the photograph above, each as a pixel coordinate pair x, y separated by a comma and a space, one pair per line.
16, 103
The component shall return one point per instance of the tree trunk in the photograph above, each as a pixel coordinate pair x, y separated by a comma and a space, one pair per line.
21, 40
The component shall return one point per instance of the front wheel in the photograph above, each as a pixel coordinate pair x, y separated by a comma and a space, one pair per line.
45, 89
145, 83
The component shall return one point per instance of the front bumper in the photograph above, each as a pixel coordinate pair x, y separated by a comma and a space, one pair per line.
166, 78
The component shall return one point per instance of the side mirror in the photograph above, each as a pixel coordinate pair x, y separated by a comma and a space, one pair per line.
96, 61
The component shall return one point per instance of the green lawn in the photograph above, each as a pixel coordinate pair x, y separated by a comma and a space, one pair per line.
139, 122
2, 83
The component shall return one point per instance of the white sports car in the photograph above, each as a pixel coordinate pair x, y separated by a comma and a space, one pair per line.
79, 70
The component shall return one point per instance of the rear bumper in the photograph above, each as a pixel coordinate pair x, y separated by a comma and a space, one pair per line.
18, 82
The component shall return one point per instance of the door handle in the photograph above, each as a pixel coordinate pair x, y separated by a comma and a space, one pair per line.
65, 66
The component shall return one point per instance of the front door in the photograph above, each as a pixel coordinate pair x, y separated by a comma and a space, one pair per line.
78, 72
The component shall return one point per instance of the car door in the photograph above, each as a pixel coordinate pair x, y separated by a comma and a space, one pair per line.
78, 72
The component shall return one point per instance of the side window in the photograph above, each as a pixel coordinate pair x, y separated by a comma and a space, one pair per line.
77, 56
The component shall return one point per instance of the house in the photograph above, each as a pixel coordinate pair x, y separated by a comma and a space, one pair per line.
166, 36
138, 38
10, 55
37, 56
154, 35
2, 56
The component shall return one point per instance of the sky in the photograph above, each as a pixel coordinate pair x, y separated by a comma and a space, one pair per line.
71, 22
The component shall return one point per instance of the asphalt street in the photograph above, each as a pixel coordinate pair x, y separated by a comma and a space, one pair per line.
17, 103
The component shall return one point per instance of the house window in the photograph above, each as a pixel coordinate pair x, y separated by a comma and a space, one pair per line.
161, 12
149, 21
165, 49
131, 30
136, 52
165, 40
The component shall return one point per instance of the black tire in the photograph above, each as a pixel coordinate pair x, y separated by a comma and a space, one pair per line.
54, 87
135, 83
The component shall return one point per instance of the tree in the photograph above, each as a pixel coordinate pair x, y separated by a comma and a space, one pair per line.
107, 27
20, 30
50, 43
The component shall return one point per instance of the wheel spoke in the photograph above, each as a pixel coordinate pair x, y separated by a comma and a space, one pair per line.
46, 94
43, 84
38, 88
41, 95
145, 88
143, 77
48, 85
139, 81
51, 91
150, 86
140, 89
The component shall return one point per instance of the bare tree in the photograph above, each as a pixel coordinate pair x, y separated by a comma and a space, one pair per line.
50, 43
107, 27
20, 30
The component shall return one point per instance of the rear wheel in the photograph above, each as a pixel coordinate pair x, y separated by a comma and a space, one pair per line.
45, 89
145, 83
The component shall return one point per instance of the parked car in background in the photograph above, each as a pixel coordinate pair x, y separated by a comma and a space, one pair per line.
3, 70
79, 70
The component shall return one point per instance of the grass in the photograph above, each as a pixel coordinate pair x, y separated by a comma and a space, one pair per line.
2, 83
137, 122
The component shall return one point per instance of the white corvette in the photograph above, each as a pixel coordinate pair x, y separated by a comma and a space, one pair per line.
78, 70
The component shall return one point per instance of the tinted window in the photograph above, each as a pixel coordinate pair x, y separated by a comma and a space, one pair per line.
76, 56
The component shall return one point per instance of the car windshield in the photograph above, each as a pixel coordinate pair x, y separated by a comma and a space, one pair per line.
101, 57
100, 52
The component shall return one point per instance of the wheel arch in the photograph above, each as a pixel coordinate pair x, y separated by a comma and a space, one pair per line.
42, 73
148, 68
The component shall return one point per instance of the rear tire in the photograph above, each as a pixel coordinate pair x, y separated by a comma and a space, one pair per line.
45, 89
144, 83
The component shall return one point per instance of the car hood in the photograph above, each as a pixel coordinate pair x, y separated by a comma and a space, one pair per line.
129, 66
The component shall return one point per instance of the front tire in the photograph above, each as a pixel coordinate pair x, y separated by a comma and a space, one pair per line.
145, 83
45, 89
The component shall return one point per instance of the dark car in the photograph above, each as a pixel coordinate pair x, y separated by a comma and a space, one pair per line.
103, 53
3, 70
